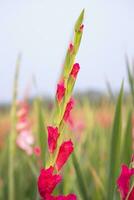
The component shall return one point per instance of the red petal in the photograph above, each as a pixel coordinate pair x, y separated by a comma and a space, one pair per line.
64, 152
123, 181
75, 70
47, 181
60, 91
69, 107
53, 135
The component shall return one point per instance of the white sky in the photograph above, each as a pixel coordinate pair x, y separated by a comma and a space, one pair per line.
41, 30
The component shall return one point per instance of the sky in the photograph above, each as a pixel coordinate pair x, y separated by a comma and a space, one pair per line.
41, 30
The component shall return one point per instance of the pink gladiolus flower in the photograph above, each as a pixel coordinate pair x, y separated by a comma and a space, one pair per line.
123, 181
75, 70
25, 141
64, 152
22, 125
60, 91
69, 107
53, 135
47, 182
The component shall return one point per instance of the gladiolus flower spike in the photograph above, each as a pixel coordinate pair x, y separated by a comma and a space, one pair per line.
25, 139
59, 149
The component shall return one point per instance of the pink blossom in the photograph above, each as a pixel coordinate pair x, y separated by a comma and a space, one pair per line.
53, 135
47, 181
69, 107
60, 91
75, 70
64, 152
123, 181
25, 141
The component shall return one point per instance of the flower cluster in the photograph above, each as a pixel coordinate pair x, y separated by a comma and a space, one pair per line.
47, 181
60, 149
123, 183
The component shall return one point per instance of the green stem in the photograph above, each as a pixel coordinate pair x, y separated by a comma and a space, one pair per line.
11, 185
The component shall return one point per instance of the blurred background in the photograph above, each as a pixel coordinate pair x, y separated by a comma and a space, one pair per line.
41, 31
100, 125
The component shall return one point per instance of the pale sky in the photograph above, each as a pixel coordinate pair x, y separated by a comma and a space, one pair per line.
41, 30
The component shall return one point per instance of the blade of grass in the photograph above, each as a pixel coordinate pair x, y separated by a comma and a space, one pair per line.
41, 131
130, 79
98, 183
110, 92
127, 144
11, 184
115, 147
80, 179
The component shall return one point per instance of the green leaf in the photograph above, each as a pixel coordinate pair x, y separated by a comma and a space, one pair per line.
80, 179
131, 80
11, 182
110, 92
127, 144
114, 164
41, 131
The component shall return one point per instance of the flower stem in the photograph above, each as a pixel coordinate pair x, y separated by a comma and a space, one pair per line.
11, 189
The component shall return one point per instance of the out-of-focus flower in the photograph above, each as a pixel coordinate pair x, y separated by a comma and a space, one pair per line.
75, 70
76, 125
37, 151
64, 152
22, 125
53, 135
123, 181
60, 91
69, 107
25, 139
104, 119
